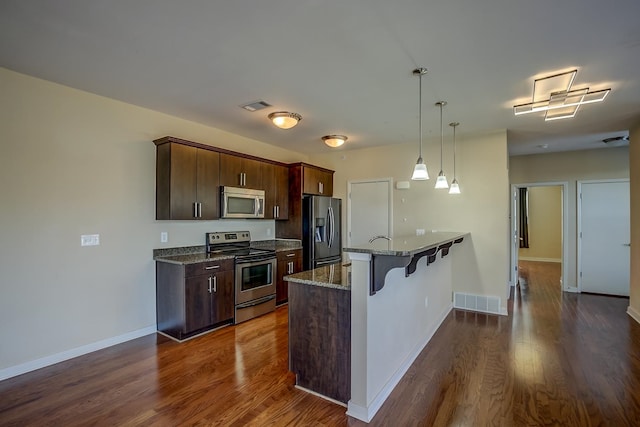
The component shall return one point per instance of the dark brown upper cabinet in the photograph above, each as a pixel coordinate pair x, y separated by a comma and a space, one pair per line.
237, 171
317, 181
275, 179
186, 182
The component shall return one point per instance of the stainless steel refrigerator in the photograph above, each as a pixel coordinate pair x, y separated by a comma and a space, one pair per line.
321, 231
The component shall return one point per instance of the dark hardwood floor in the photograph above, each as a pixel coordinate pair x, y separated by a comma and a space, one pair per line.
557, 360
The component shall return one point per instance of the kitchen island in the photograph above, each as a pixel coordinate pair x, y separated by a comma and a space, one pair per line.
320, 331
399, 292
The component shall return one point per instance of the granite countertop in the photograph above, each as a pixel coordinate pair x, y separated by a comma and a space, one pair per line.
407, 245
195, 254
337, 276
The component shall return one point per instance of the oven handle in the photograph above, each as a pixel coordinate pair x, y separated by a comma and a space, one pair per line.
256, 301
256, 260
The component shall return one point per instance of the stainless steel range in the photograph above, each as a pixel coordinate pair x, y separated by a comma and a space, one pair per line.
255, 272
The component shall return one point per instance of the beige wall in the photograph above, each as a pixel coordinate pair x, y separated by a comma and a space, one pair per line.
481, 267
573, 166
634, 160
545, 225
74, 163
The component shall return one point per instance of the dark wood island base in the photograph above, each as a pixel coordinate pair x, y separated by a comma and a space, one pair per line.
320, 337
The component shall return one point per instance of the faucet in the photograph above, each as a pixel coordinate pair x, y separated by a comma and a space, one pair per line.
379, 237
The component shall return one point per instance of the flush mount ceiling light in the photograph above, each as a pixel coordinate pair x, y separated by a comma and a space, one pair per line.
284, 119
334, 140
441, 181
420, 170
455, 187
554, 96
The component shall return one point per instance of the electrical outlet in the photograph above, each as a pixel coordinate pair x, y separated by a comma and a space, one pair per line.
426, 301
164, 237
419, 231
89, 240
268, 232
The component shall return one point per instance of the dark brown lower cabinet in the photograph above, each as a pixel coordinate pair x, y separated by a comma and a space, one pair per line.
289, 262
193, 298
320, 339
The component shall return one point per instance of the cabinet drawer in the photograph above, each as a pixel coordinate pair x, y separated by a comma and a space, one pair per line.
208, 267
289, 254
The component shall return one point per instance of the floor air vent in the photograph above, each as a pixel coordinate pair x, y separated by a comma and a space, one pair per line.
476, 303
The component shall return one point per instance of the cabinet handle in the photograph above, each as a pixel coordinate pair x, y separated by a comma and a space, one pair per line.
277, 211
195, 209
320, 187
212, 267
215, 284
290, 255
199, 210
209, 280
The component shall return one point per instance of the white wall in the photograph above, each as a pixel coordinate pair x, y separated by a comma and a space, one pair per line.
481, 267
572, 166
74, 163
545, 224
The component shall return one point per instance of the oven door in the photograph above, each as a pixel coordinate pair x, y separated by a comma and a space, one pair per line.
255, 280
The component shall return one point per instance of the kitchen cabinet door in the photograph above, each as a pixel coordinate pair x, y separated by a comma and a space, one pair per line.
275, 179
282, 191
198, 314
222, 298
289, 262
207, 188
186, 183
236, 171
317, 181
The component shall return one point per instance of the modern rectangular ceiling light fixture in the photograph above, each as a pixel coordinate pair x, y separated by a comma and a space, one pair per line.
554, 96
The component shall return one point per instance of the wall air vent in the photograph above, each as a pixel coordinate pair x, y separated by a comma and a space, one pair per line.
255, 106
481, 303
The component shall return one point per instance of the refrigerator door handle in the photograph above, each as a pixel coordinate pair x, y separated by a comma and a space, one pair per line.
331, 219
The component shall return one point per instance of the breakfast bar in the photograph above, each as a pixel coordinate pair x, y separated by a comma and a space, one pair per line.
399, 291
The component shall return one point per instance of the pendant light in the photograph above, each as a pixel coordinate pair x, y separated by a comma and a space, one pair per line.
441, 182
455, 188
420, 170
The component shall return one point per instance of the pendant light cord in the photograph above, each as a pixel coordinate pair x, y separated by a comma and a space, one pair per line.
420, 107
454, 153
441, 142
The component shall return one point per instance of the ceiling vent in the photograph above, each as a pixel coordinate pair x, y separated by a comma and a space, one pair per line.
616, 140
255, 106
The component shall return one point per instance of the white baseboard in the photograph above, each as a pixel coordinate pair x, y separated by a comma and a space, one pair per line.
43, 362
530, 258
635, 314
367, 414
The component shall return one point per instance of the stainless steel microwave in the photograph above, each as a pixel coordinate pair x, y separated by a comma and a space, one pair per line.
238, 202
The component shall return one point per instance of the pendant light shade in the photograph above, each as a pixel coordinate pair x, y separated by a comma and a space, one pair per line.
420, 170
455, 187
441, 182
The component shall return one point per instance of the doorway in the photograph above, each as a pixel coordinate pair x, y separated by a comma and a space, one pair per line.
369, 210
536, 245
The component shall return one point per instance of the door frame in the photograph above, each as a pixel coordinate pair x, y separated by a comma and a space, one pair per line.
579, 221
389, 182
513, 275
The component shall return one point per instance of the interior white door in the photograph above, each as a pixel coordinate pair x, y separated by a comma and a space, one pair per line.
604, 237
369, 210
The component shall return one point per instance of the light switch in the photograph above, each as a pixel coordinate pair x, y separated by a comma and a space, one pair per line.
164, 237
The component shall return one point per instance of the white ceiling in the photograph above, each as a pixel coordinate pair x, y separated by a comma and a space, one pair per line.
344, 65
